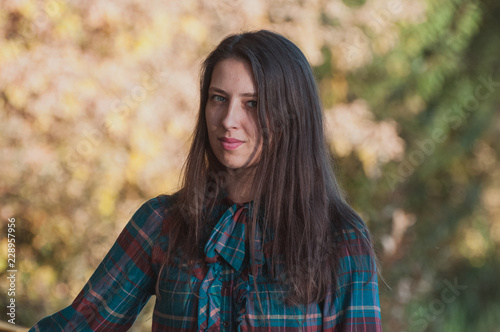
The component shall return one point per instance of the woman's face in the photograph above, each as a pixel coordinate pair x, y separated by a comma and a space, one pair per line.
231, 114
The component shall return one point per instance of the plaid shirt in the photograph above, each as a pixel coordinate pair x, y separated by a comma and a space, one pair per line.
216, 296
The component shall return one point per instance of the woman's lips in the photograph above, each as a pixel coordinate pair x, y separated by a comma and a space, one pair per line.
230, 143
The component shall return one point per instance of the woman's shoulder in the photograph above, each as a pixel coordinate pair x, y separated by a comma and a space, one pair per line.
352, 229
162, 202
150, 215
356, 247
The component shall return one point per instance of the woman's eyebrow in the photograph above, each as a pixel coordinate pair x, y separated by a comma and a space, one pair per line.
246, 94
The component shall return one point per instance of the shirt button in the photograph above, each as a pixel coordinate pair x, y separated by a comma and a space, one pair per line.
225, 323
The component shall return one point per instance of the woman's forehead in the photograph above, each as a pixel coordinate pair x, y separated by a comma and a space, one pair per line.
233, 75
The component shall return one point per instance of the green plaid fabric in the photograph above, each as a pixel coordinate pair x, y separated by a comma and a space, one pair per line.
219, 295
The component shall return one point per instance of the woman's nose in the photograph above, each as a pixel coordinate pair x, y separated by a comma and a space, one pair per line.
232, 114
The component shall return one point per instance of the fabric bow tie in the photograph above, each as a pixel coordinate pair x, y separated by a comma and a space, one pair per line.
228, 237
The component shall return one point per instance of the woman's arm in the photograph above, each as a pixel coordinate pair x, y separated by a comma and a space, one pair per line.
354, 306
122, 283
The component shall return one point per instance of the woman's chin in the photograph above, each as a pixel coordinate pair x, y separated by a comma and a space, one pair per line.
236, 166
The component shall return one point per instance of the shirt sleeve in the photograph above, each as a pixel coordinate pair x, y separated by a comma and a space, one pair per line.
354, 305
122, 283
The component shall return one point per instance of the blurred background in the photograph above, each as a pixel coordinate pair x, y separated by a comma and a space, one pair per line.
98, 100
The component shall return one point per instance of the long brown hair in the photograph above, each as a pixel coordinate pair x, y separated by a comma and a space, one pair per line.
304, 212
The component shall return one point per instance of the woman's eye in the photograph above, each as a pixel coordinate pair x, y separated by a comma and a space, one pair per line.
252, 103
218, 98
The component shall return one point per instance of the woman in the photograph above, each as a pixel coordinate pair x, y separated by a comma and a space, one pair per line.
259, 237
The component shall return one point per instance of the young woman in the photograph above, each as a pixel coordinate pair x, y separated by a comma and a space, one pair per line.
259, 238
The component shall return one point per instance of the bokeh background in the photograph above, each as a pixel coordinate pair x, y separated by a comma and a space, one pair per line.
98, 101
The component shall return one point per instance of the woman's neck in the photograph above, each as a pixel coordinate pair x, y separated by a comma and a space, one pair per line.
239, 188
